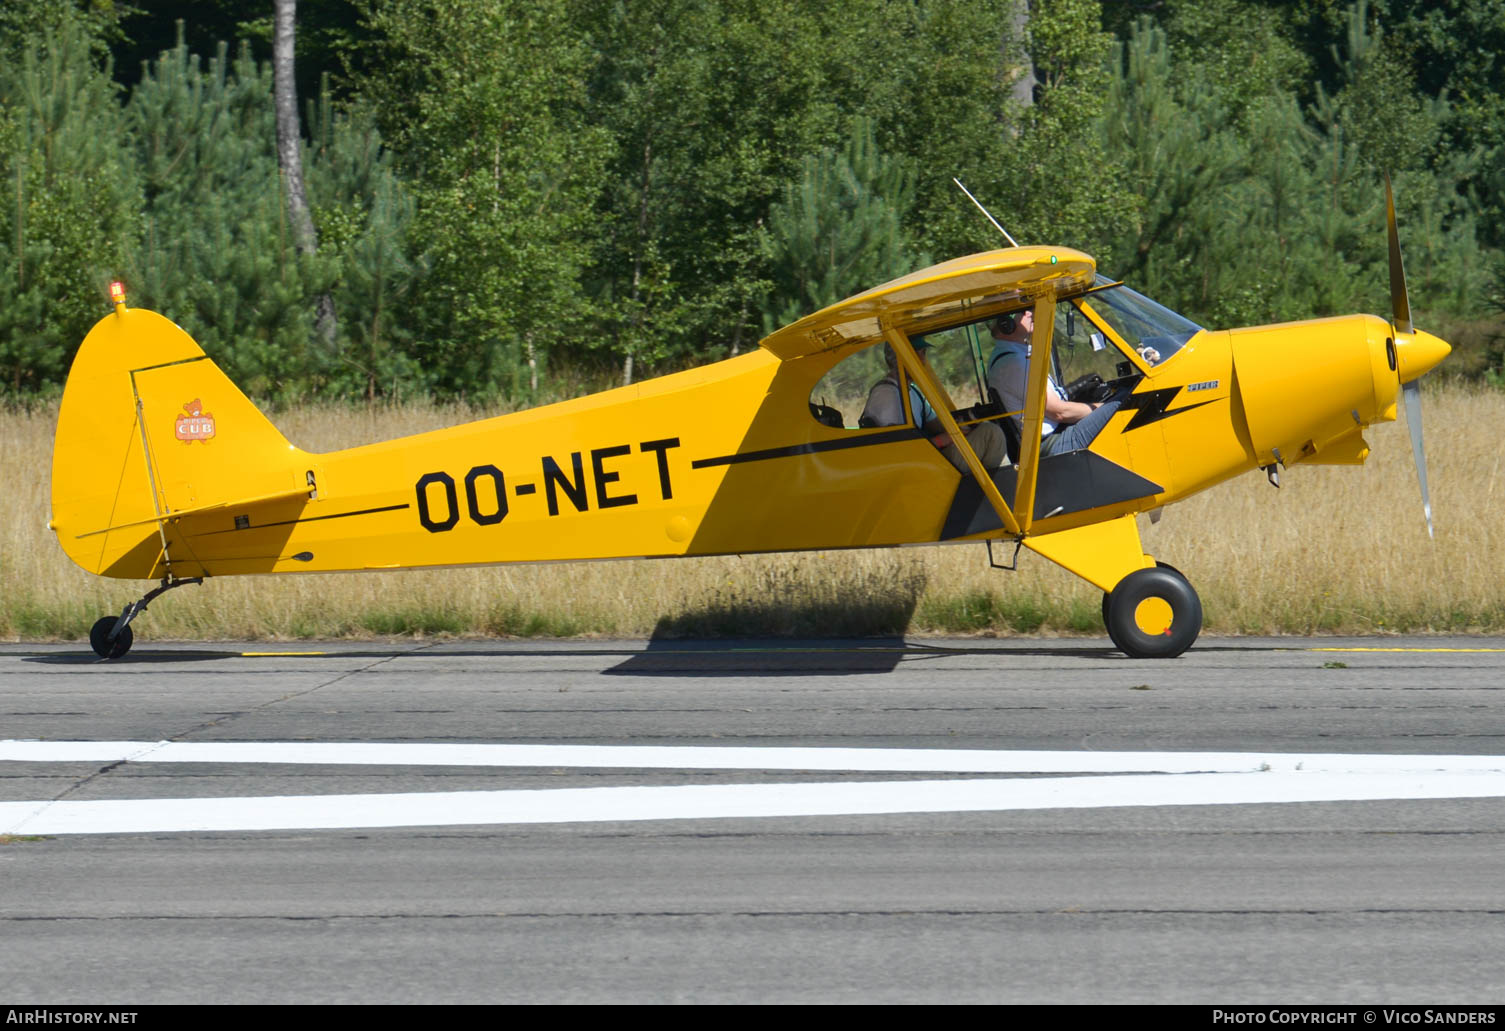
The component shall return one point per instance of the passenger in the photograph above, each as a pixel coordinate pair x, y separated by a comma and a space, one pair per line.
885, 407
1066, 425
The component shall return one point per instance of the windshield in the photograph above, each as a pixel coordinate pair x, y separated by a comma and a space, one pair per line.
1152, 329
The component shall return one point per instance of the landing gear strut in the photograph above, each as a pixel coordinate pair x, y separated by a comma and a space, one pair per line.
112, 636
1153, 613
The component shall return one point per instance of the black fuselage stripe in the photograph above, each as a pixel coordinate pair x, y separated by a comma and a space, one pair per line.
810, 448
310, 519
1146, 416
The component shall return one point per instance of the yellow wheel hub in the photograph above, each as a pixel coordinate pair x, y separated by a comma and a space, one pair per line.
1153, 616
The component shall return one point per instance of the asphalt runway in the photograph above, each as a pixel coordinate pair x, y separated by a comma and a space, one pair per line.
1260, 821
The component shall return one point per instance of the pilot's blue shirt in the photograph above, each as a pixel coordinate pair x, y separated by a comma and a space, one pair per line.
919, 407
1008, 373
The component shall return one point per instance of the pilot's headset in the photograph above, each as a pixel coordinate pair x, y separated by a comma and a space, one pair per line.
1006, 324
920, 344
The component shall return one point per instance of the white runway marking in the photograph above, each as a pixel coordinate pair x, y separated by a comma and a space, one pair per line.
1145, 779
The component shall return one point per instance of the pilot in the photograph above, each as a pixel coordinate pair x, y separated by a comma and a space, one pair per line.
1066, 425
885, 407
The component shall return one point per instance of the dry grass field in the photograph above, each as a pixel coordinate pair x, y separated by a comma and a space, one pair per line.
1336, 549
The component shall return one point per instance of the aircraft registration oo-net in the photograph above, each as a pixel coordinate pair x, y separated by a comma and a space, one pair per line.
163, 470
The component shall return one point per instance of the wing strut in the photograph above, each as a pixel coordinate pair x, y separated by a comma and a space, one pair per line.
1034, 411
931, 388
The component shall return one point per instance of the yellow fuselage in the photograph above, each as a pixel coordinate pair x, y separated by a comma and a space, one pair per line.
724, 458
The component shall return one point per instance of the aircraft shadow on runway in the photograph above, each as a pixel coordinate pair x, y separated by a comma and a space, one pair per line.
86, 657
675, 657
670, 655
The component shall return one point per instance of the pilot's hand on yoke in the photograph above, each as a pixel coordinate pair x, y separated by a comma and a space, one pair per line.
978, 412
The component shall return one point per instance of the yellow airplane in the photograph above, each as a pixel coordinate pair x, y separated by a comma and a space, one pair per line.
163, 470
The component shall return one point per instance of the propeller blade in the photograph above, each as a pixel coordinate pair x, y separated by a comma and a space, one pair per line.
1413, 422
1400, 304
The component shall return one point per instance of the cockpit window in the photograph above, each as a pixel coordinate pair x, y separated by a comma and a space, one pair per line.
1152, 329
1079, 348
961, 355
954, 356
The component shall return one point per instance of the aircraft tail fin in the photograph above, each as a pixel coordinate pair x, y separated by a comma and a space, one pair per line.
150, 429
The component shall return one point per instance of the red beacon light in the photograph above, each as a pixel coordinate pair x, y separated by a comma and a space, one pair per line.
117, 294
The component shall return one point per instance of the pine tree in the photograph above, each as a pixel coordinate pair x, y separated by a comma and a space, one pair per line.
481, 98
364, 216
216, 253
837, 230
68, 203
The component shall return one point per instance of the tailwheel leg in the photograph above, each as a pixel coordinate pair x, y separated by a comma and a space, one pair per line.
112, 636
1153, 614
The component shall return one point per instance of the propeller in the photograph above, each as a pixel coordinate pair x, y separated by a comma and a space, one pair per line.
1417, 347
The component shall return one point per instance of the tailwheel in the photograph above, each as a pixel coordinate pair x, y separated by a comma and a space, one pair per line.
1153, 614
111, 636
101, 642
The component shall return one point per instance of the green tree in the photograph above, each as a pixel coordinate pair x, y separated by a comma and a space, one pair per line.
837, 230
1174, 137
482, 101
945, 101
1255, 208
92, 23
216, 253
711, 108
330, 35
1058, 142
714, 107
364, 215
1244, 50
70, 202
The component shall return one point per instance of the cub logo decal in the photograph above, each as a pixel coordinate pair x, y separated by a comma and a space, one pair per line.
196, 425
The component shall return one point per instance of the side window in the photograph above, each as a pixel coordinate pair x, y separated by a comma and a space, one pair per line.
955, 356
840, 396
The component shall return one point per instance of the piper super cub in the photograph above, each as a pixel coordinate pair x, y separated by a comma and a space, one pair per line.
163, 470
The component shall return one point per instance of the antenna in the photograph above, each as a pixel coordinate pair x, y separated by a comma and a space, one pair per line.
974, 200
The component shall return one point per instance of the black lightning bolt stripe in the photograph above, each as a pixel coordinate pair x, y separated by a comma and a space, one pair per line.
811, 448
1150, 406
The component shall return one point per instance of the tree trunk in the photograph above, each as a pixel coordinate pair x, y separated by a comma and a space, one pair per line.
289, 151
1023, 90
637, 261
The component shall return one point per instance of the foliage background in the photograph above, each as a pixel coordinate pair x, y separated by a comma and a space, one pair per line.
524, 200
518, 200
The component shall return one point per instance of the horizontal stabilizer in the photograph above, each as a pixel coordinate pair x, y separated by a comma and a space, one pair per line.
296, 492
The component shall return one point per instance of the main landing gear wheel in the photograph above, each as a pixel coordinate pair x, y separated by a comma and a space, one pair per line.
1153, 614
99, 638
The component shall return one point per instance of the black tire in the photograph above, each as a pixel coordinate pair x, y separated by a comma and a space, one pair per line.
1153, 614
99, 639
